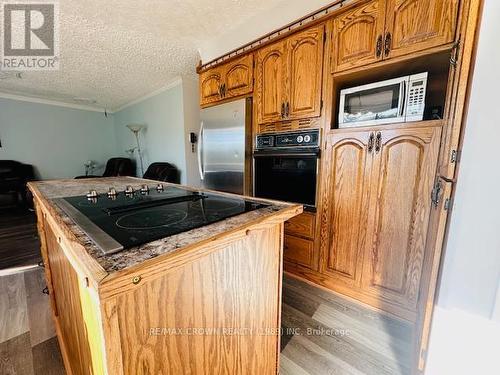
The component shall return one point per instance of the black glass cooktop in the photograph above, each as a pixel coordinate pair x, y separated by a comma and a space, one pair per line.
127, 220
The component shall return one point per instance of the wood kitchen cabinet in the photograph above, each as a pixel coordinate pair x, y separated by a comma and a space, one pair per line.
305, 70
289, 77
210, 86
299, 240
358, 36
403, 172
379, 199
349, 163
271, 82
415, 25
382, 29
227, 81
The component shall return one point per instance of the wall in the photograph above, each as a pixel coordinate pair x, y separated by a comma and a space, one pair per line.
56, 140
465, 336
281, 14
163, 140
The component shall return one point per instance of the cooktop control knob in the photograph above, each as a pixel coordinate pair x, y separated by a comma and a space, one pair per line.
160, 187
112, 193
92, 194
307, 138
129, 190
144, 189
300, 139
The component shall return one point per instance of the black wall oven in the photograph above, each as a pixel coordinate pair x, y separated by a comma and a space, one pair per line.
286, 167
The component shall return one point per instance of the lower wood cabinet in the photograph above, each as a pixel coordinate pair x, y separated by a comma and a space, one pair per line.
298, 250
299, 240
378, 199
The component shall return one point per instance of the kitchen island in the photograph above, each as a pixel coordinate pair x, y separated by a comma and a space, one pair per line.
202, 301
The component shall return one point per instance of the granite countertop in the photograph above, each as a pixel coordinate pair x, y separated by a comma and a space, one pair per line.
128, 258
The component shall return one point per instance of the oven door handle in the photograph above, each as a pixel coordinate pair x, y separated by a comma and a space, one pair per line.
285, 154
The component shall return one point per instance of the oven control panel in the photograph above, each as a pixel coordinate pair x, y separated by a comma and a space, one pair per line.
308, 138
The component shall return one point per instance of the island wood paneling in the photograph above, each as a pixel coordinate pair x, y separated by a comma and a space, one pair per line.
220, 292
77, 323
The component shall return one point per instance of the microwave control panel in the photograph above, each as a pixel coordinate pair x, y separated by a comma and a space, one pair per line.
309, 138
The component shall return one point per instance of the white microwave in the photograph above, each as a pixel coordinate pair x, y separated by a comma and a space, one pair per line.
395, 100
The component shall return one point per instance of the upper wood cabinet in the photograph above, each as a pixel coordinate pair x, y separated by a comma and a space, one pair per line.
403, 172
379, 201
357, 36
381, 29
305, 64
238, 77
271, 81
415, 25
227, 81
289, 77
210, 86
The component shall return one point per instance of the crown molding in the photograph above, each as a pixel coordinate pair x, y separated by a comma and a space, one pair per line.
175, 82
30, 99
5, 95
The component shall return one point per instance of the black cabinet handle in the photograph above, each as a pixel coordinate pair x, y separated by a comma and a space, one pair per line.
371, 139
283, 110
379, 46
388, 43
378, 142
287, 110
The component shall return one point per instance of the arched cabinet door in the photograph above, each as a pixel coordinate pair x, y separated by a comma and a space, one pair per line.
348, 162
358, 36
404, 169
210, 86
415, 25
270, 82
305, 56
239, 77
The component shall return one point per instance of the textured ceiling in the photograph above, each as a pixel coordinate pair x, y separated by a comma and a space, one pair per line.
115, 51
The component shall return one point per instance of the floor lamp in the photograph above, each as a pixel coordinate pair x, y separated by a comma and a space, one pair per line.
136, 129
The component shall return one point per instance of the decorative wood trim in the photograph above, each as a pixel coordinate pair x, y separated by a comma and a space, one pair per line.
275, 35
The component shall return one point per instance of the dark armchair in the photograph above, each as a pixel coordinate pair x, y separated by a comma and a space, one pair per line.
163, 172
115, 167
13, 178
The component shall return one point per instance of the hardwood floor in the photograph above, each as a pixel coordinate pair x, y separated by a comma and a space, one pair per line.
27, 336
323, 334
19, 245
336, 336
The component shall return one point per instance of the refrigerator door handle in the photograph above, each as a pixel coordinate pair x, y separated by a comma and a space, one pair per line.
200, 151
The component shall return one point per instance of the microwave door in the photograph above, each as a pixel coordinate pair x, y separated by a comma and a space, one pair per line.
373, 104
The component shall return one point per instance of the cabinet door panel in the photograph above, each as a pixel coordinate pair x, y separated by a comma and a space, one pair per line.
72, 323
210, 83
239, 77
298, 250
355, 35
349, 168
271, 75
305, 55
400, 202
416, 25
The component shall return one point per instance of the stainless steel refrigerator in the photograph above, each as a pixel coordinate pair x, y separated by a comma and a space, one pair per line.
224, 143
